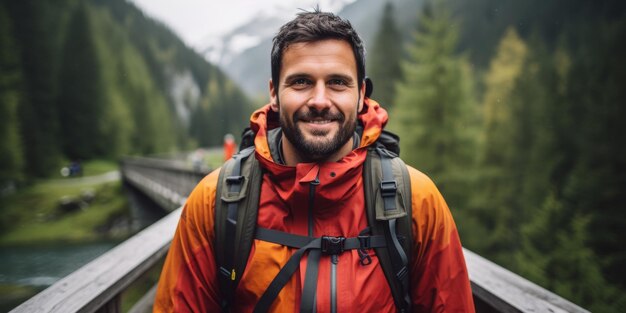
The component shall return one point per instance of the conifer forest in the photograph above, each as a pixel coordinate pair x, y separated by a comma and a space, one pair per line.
513, 107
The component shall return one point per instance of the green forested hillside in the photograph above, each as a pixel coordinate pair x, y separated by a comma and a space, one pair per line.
515, 109
98, 79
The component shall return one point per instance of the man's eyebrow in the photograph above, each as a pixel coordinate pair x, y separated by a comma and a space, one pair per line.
296, 76
347, 78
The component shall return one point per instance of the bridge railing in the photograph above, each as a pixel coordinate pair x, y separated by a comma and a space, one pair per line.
166, 182
97, 286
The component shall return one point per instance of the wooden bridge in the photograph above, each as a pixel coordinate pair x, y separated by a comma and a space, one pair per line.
99, 285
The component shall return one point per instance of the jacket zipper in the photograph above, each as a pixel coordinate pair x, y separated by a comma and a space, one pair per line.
312, 186
334, 259
311, 224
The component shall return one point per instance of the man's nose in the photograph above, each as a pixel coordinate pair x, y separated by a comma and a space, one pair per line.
320, 98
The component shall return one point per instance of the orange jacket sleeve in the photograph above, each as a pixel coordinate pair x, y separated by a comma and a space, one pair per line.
188, 281
439, 278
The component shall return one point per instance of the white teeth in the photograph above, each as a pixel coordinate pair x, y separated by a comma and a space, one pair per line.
320, 122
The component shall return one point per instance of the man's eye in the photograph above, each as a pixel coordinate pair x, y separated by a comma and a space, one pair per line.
300, 81
338, 82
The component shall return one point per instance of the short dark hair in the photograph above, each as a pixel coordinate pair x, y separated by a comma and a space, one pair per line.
316, 26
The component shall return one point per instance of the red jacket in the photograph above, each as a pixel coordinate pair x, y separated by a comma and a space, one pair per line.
439, 280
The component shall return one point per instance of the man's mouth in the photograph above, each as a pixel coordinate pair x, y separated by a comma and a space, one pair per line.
318, 121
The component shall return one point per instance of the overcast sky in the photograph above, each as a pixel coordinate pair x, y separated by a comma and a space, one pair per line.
196, 20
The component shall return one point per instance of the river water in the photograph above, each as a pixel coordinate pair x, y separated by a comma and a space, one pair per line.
41, 266
30, 269
24, 271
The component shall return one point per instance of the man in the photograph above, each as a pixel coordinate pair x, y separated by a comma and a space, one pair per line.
312, 186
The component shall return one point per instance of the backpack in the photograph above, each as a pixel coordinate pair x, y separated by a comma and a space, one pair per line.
388, 205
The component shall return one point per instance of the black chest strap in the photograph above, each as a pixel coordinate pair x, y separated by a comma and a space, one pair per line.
328, 245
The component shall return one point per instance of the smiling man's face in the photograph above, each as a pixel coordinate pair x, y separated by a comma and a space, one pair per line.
318, 99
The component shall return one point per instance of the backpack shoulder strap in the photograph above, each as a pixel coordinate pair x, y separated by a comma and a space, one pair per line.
236, 202
388, 204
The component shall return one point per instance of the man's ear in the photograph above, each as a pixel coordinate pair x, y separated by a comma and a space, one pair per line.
361, 97
273, 96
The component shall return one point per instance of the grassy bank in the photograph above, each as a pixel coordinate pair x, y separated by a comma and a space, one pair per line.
65, 210
12, 295
97, 167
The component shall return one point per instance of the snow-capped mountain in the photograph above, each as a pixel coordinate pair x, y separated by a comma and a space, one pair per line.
222, 49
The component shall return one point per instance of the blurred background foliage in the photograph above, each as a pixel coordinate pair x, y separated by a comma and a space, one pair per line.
97, 79
514, 108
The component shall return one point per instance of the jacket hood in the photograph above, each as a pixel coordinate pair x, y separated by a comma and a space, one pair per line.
338, 184
372, 119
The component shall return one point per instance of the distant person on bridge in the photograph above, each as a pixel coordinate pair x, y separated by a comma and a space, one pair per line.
229, 146
319, 214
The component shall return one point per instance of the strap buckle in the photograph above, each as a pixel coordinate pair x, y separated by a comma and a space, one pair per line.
234, 179
333, 245
388, 188
364, 242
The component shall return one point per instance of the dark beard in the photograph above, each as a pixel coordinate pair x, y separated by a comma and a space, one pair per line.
317, 151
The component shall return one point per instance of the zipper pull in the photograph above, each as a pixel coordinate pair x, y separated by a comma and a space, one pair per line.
334, 258
312, 186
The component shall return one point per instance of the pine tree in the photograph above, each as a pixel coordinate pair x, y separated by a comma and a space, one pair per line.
34, 34
536, 99
595, 184
434, 112
81, 95
384, 59
11, 163
555, 254
495, 200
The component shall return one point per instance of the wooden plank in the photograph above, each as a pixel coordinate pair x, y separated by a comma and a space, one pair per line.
97, 283
506, 291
